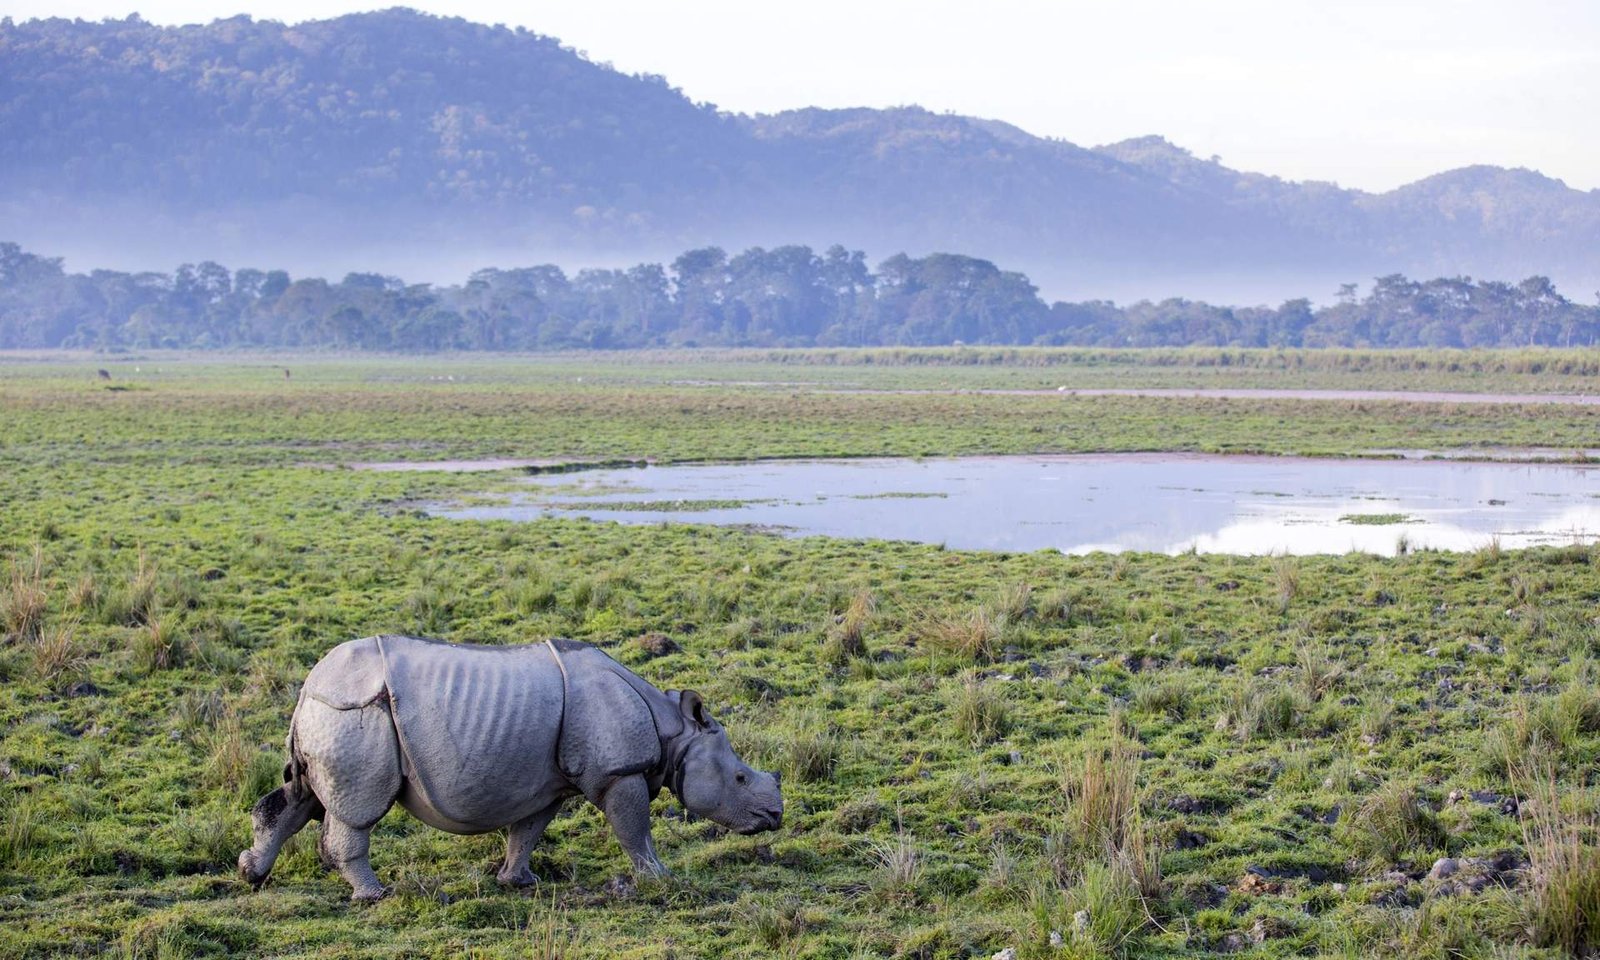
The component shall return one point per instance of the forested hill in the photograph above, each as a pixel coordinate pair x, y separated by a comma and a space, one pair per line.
363, 135
788, 297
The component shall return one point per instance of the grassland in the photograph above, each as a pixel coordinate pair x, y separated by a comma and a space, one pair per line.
1132, 755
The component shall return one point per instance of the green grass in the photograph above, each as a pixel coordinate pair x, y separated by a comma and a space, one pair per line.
1141, 755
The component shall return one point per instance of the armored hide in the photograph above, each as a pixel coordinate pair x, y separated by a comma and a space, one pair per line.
487, 731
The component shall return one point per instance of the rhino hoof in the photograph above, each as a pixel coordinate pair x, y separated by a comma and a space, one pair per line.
524, 877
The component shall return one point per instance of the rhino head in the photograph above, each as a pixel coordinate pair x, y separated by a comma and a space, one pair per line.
712, 782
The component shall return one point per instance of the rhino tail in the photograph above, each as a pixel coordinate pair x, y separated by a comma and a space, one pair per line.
296, 786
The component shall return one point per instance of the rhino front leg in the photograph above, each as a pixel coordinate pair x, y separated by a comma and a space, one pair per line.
276, 817
627, 808
521, 838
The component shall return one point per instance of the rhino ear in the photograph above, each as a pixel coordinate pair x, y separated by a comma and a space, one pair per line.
694, 709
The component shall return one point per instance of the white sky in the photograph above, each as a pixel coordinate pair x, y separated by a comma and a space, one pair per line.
1368, 94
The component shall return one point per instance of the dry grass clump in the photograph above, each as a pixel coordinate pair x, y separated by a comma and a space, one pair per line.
976, 636
1102, 822
22, 608
1563, 905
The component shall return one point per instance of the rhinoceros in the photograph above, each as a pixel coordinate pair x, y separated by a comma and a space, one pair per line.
472, 739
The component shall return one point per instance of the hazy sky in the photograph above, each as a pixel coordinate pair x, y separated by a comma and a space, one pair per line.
1369, 94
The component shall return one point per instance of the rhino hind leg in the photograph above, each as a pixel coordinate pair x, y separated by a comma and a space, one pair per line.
275, 818
353, 765
521, 838
345, 845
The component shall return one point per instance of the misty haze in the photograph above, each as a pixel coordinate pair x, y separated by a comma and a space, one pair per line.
898, 495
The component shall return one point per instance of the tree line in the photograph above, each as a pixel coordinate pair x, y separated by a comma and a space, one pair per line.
788, 296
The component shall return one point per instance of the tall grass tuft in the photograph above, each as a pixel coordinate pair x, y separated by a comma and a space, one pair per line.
1563, 904
22, 609
57, 654
1108, 911
979, 710
847, 639
1013, 602
1260, 709
229, 754
1103, 823
140, 598
1285, 581
899, 863
1315, 671
85, 594
1391, 822
157, 645
20, 834
778, 923
1542, 730
811, 750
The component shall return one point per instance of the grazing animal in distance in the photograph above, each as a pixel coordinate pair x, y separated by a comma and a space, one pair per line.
103, 374
285, 373
472, 739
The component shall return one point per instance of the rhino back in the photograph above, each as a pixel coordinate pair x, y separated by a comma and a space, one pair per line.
478, 727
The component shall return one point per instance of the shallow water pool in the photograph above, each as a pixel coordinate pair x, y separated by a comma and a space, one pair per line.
1150, 502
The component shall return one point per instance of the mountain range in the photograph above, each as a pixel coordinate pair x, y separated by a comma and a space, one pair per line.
402, 142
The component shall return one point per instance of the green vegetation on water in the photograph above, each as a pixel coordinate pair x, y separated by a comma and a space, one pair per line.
1375, 519
1133, 755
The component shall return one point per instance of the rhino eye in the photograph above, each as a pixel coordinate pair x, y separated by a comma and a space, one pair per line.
739, 778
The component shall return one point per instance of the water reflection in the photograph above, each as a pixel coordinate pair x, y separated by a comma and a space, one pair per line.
1155, 502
